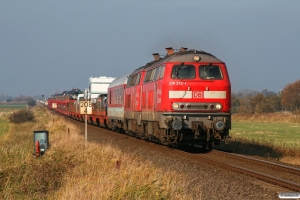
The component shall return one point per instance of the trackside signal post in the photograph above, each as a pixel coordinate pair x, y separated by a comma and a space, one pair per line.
85, 109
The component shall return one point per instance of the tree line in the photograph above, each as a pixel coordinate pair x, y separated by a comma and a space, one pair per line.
244, 102
30, 101
250, 102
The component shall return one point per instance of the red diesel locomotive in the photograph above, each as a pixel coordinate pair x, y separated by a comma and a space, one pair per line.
183, 97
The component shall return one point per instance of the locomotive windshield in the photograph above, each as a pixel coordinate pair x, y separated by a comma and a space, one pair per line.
183, 72
210, 72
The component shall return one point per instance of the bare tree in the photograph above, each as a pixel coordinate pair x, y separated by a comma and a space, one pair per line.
291, 96
255, 102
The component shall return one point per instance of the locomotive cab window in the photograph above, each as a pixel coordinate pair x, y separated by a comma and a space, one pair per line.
157, 72
162, 71
151, 75
138, 79
133, 80
183, 72
210, 72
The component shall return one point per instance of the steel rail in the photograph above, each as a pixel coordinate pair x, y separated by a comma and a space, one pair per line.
271, 179
258, 175
264, 163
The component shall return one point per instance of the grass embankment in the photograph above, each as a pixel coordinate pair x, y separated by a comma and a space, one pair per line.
69, 171
275, 135
4, 126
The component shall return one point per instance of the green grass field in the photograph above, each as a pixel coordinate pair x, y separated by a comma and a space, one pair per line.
13, 106
280, 133
4, 126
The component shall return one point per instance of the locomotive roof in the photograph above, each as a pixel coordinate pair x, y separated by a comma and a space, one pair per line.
182, 55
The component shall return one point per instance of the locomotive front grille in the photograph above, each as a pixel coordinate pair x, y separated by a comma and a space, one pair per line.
197, 106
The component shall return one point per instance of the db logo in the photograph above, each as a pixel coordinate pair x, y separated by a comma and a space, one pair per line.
198, 94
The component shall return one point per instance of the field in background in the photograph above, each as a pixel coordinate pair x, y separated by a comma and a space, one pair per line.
272, 135
8, 107
278, 128
279, 117
277, 133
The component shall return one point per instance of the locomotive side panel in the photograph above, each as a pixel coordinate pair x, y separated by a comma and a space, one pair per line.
116, 103
152, 92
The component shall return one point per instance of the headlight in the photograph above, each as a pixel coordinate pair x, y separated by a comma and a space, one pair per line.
176, 124
197, 58
219, 125
175, 106
218, 106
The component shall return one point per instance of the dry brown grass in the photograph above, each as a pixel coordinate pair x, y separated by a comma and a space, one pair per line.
69, 171
280, 117
5, 114
294, 160
97, 177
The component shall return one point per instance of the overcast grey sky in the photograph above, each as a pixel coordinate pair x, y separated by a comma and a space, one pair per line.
55, 45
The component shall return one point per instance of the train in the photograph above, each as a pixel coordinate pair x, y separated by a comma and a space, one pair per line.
180, 98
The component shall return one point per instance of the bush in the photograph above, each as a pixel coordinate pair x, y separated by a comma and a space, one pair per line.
21, 116
31, 103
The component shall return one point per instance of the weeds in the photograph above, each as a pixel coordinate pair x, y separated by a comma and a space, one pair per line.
69, 171
4, 126
21, 116
278, 117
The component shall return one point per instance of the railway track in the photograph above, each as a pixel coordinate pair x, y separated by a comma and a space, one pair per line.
271, 165
274, 173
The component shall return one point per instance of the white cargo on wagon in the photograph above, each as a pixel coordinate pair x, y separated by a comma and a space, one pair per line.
99, 85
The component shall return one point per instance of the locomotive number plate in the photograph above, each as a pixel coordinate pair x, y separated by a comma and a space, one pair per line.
177, 83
